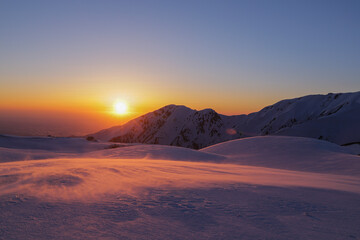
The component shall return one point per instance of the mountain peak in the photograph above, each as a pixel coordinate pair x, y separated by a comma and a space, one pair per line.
175, 125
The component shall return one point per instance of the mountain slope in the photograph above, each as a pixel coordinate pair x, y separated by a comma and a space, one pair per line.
331, 117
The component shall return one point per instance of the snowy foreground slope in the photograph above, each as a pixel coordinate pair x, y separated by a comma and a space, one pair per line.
293, 153
331, 117
253, 188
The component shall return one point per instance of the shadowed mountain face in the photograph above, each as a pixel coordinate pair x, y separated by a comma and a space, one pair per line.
331, 117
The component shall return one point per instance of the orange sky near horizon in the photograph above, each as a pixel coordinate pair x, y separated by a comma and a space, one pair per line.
83, 115
80, 104
80, 107
96, 95
142, 93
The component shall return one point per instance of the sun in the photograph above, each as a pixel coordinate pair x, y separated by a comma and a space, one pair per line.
120, 108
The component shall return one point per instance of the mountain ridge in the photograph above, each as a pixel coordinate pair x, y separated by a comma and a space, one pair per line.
332, 117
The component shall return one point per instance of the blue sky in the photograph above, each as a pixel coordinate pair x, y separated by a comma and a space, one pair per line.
290, 43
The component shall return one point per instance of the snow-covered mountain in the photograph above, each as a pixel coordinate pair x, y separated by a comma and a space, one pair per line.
331, 117
173, 125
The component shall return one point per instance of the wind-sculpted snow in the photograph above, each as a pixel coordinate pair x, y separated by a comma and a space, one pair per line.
165, 192
331, 117
89, 179
11, 154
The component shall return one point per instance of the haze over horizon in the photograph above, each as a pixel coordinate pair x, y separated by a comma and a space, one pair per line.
64, 64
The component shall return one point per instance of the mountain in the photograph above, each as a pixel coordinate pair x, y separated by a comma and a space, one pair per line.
173, 125
331, 117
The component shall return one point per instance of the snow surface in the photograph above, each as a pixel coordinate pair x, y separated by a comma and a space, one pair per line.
355, 148
293, 153
255, 188
157, 152
54, 144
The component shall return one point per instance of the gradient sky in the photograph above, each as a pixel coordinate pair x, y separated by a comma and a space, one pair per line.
68, 61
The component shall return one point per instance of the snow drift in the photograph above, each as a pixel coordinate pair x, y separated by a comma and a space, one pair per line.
293, 153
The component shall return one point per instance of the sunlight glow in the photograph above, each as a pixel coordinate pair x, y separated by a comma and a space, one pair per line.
120, 108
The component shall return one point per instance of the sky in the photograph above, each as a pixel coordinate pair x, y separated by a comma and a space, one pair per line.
63, 64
